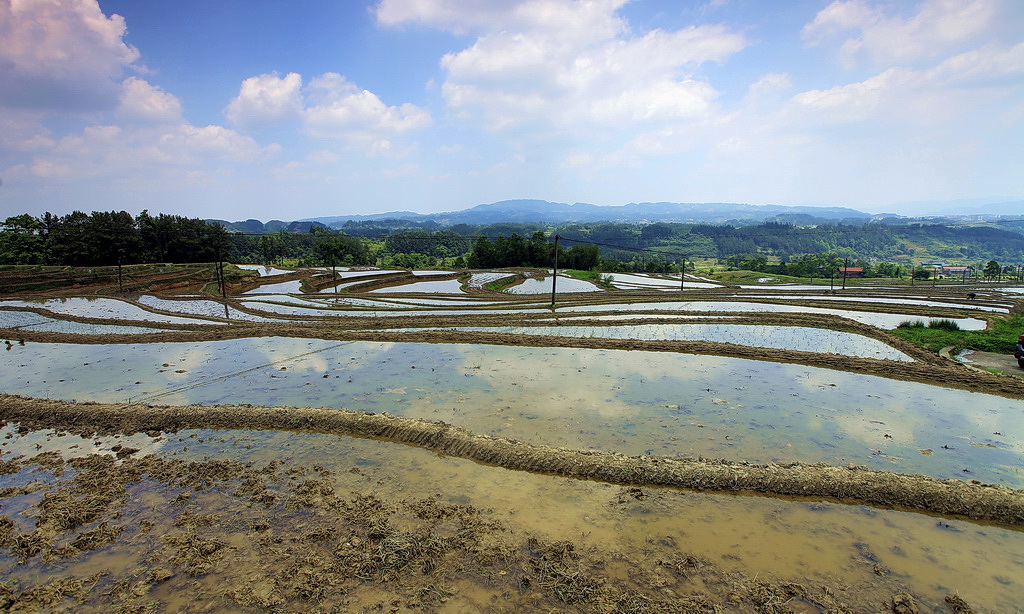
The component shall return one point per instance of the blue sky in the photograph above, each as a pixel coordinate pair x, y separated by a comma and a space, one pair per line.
285, 109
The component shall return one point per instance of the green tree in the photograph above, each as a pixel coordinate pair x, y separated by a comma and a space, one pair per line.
272, 248
22, 240
992, 270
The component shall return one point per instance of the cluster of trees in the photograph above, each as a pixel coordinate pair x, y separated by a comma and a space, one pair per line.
537, 251
814, 265
108, 238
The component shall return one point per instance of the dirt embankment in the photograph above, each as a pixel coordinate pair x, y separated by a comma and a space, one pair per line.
850, 484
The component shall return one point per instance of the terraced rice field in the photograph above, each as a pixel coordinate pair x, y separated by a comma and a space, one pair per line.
419, 442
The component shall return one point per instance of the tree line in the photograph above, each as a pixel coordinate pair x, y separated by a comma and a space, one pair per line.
105, 238
108, 238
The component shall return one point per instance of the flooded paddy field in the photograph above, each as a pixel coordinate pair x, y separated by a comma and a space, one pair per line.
631, 402
796, 338
200, 481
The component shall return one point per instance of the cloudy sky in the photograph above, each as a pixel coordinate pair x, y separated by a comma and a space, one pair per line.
285, 109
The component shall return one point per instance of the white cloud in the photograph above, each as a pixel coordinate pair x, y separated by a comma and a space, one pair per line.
330, 107
936, 28
143, 102
572, 64
22, 130
768, 87
265, 100
856, 101
61, 55
991, 64
116, 152
338, 108
954, 88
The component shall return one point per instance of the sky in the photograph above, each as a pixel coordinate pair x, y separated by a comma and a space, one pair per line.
289, 109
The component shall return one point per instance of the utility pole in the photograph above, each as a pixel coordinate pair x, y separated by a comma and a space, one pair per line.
682, 273
554, 277
846, 270
220, 275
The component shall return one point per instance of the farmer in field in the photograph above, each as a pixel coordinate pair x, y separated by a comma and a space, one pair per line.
1020, 345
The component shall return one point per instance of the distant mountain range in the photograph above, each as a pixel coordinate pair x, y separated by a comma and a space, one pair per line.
546, 212
542, 211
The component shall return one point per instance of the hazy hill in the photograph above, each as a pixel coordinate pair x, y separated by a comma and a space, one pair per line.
543, 211
525, 211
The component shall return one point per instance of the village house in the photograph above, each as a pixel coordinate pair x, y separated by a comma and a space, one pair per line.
941, 270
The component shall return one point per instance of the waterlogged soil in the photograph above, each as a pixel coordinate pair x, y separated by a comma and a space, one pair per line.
248, 521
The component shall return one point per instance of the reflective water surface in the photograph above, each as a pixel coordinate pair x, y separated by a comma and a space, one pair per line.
813, 541
799, 338
635, 402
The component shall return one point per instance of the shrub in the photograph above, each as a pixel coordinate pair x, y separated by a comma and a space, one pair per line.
911, 324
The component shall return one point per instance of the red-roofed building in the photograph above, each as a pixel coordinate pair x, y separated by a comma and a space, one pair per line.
851, 272
957, 271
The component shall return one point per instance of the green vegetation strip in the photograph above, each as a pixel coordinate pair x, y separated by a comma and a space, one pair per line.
1000, 336
852, 483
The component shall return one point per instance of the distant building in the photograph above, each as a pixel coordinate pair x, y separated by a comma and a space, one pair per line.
957, 271
940, 270
851, 272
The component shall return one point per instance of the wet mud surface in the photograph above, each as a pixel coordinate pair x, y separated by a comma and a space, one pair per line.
126, 531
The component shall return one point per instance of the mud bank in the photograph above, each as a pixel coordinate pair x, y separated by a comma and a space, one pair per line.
850, 484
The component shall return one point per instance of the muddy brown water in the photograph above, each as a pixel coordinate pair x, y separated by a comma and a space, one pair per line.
253, 520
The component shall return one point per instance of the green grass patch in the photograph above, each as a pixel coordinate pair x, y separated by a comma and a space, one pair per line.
499, 284
1000, 337
603, 280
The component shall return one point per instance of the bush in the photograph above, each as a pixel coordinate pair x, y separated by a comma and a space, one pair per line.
910, 324
949, 325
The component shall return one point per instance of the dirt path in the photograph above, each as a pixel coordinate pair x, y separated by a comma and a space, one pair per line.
991, 361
